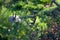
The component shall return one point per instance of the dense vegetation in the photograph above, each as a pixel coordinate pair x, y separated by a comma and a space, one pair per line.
37, 17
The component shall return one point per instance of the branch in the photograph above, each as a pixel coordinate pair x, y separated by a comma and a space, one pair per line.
54, 1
